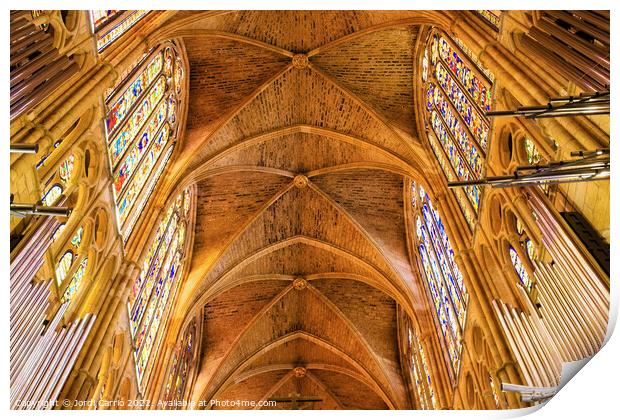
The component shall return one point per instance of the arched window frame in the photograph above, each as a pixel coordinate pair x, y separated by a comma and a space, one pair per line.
110, 25
442, 277
142, 129
521, 253
63, 269
182, 365
52, 195
458, 139
154, 290
420, 371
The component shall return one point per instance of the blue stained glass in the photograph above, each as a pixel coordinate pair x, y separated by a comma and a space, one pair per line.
443, 278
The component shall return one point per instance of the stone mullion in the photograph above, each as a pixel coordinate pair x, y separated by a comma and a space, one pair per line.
413, 363
477, 293
155, 361
444, 340
451, 170
442, 279
443, 247
435, 366
152, 296
150, 183
457, 113
460, 150
416, 359
134, 140
154, 232
439, 202
514, 241
502, 352
472, 67
435, 344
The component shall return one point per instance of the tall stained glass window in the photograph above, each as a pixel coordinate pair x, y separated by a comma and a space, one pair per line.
182, 364
517, 258
534, 157
141, 128
63, 266
458, 93
75, 282
154, 289
442, 276
421, 372
52, 195
110, 25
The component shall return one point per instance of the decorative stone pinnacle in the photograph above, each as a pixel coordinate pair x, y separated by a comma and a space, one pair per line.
300, 283
300, 61
299, 372
301, 181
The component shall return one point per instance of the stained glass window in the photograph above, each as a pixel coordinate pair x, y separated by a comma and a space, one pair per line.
109, 25
101, 17
533, 155
44, 158
520, 269
77, 238
529, 247
181, 367
77, 278
425, 66
534, 158
52, 195
66, 168
57, 232
458, 94
421, 373
154, 289
141, 130
63, 267
443, 278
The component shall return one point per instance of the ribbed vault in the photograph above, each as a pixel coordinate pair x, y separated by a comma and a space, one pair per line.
300, 135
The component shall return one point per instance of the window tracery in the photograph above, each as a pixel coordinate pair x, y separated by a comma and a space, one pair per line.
458, 93
110, 25
141, 129
154, 289
442, 276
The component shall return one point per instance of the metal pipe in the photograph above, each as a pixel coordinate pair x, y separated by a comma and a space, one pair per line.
590, 103
25, 148
21, 210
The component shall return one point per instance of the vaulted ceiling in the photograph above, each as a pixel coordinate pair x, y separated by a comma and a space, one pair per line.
301, 137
